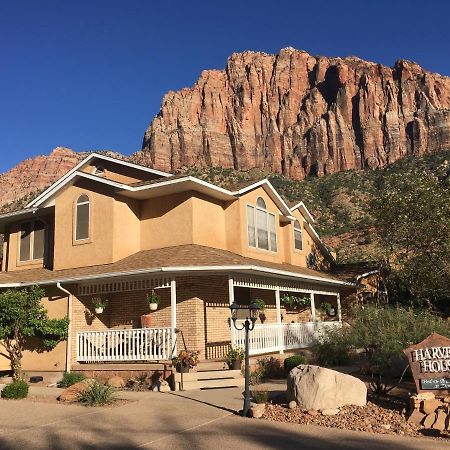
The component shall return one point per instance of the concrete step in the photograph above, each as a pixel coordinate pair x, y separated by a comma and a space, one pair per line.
210, 365
104, 367
211, 384
210, 375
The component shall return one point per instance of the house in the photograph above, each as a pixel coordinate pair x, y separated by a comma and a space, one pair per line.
117, 230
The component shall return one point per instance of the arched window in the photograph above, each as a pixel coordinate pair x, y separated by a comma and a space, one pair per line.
261, 226
82, 219
298, 235
32, 241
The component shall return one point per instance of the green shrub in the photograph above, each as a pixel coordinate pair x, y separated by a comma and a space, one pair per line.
260, 396
294, 361
16, 389
270, 368
70, 378
332, 347
97, 394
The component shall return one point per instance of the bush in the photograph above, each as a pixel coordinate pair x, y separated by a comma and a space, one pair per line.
16, 389
332, 347
270, 368
97, 394
70, 378
260, 396
294, 361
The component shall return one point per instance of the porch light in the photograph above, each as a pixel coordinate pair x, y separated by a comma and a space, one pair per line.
248, 325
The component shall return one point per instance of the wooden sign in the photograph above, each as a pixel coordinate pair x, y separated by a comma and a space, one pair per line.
430, 364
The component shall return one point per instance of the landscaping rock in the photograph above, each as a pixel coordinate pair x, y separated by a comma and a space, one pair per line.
430, 406
314, 387
72, 392
429, 420
330, 412
116, 382
257, 411
416, 417
313, 412
292, 404
425, 396
440, 421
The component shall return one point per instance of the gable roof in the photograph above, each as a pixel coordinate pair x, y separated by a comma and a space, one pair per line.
304, 210
76, 170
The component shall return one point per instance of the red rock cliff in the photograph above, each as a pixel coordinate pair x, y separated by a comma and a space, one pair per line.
301, 115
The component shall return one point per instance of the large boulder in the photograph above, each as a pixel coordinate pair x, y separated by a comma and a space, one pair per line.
72, 393
116, 382
314, 387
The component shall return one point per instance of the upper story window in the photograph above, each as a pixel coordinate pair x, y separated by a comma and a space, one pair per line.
99, 170
32, 241
261, 228
298, 235
82, 219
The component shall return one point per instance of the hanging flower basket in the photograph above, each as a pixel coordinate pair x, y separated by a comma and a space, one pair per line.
99, 310
99, 304
153, 300
153, 306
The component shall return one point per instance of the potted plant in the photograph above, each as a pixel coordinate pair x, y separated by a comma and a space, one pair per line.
262, 307
185, 360
153, 300
234, 358
292, 302
328, 309
99, 304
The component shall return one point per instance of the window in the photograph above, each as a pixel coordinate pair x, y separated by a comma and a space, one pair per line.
99, 170
298, 235
32, 241
261, 227
82, 218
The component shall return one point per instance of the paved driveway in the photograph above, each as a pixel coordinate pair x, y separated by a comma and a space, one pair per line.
194, 420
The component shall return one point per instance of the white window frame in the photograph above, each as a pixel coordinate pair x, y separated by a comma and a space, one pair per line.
32, 258
299, 229
267, 213
75, 219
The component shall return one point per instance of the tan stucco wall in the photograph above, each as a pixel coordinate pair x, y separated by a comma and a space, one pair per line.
294, 256
167, 221
41, 360
98, 249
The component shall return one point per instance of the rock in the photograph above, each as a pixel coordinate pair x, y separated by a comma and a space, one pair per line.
257, 411
292, 404
314, 387
300, 115
430, 406
313, 412
416, 417
116, 382
424, 396
440, 421
429, 420
385, 426
329, 412
72, 392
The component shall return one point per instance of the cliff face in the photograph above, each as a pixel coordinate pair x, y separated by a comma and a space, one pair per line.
300, 115
33, 175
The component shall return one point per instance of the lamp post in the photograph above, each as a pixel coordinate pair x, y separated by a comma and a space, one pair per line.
248, 325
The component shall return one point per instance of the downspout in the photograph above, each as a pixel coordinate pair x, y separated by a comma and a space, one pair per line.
69, 334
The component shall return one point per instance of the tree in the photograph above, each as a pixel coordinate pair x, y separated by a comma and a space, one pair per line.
22, 316
411, 215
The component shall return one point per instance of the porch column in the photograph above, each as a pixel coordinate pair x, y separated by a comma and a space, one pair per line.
231, 301
173, 313
313, 308
339, 311
280, 326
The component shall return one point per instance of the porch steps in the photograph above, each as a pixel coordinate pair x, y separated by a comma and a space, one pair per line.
213, 379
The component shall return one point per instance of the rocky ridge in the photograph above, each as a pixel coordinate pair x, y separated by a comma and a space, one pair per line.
300, 115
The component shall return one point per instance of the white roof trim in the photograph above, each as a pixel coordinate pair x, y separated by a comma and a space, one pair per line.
175, 269
49, 192
304, 210
85, 161
18, 213
267, 185
319, 241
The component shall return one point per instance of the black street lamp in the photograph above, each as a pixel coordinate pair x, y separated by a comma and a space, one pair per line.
248, 325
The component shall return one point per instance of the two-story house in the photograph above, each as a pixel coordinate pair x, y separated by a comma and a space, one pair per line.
116, 230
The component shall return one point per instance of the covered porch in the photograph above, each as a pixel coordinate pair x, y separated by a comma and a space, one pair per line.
194, 311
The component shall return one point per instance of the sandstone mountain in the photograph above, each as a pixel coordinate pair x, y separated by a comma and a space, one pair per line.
300, 115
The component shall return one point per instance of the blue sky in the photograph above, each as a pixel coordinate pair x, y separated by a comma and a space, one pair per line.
91, 74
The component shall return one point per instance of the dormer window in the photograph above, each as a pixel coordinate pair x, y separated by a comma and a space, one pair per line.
298, 235
261, 227
32, 241
82, 218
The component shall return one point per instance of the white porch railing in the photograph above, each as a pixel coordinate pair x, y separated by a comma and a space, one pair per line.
274, 337
141, 344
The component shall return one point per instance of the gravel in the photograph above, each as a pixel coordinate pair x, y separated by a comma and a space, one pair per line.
371, 418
